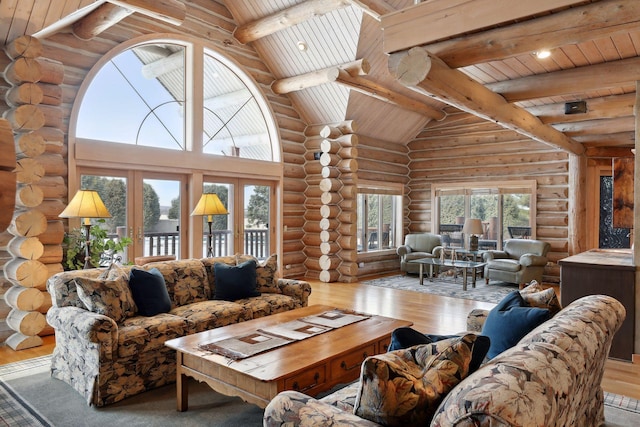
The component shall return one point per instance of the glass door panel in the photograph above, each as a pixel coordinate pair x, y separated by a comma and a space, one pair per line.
257, 208
161, 215
222, 241
113, 192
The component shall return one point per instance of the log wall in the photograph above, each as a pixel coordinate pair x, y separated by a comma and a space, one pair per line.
382, 161
41, 114
212, 22
330, 231
31, 246
463, 148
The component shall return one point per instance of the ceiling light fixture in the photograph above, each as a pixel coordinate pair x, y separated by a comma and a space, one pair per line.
542, 54
302, 46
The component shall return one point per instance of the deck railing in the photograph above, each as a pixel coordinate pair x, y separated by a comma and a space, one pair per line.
256, 243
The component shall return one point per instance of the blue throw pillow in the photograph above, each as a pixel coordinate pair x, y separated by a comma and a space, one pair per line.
511, 320
408, 337
149, 291
234, 282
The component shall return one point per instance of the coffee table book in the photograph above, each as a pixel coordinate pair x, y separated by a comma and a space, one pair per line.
311, 365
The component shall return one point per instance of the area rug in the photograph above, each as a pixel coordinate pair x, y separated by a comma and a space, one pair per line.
29, 397
447, 287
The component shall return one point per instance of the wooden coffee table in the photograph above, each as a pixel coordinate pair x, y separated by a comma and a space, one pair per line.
311, 365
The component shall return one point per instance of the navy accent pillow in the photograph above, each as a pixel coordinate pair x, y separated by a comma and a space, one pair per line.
234, 282
408, 337
511, 320
149, 291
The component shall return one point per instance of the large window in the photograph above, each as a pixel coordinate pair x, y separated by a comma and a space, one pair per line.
175, 118
379, 218
507, 210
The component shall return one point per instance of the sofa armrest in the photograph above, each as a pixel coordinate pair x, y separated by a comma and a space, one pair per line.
493, 254
298, 289
476, 319
402, 250
84, 329
291, 408
533, 260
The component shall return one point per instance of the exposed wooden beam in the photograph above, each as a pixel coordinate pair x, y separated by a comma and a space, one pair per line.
374, 8
435, 20
595, 20
382, 93
425, 73
608, 152
607, 75
349, 75
318, 77
104, 17
624, 139
597, 108
600, 126
286, 18
172, 12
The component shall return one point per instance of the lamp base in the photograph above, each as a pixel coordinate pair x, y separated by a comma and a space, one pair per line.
473, 243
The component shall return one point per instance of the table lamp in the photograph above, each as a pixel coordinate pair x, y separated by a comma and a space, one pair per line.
209, 205
473, 227
86, 204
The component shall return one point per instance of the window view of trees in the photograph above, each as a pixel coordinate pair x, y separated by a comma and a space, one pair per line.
258, 208
113, 193
504, 214
377, 211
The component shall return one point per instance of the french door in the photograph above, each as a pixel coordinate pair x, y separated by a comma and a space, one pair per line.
147, 207
153, 209
249, 227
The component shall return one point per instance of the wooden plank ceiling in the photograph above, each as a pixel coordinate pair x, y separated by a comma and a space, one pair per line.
594, 58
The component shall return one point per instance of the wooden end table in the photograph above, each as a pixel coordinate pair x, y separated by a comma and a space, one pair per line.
311, 365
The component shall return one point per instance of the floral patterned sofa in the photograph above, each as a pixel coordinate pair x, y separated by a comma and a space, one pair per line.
551, 377
107, 358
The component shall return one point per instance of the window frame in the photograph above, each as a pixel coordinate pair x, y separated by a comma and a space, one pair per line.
396, 227
497, 187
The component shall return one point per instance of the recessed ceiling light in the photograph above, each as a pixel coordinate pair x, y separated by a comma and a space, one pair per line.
302, 46
541, 54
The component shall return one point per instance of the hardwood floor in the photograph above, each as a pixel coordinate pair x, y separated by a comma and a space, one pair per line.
429, 314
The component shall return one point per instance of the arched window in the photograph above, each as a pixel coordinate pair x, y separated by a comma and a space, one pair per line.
140, 97
168, 119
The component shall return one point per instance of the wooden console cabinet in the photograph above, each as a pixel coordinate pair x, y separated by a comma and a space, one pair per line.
606, 272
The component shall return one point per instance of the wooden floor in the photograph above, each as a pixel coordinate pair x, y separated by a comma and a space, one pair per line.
429, 313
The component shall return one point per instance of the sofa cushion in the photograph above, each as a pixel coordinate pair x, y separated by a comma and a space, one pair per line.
186, 280
211, 275
537, 296
205, 315
266, 272
149, 291
269, 303
408, 337
111, 298
235, 282
405, 387
511, 265
139, 335
511, 320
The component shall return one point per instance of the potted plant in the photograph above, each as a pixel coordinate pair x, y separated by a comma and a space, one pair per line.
103, 248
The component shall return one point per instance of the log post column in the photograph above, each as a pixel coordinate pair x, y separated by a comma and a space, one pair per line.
31, 248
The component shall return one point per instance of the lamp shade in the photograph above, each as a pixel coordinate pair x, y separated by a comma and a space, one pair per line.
86, 204
472, 226
209, 204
